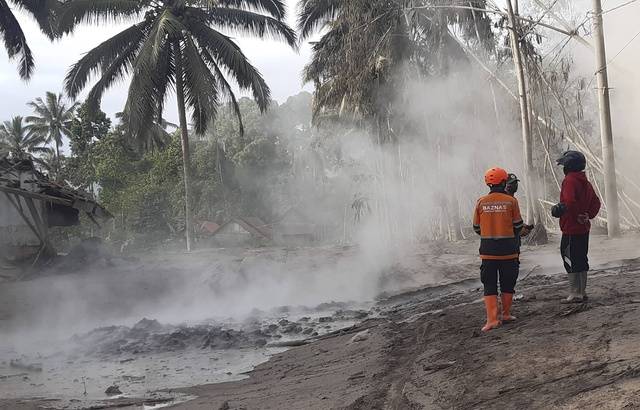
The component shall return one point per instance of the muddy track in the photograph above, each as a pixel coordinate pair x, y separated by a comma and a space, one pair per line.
400, 353
551, 358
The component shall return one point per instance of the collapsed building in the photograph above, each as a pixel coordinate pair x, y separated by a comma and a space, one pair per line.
242, 231
300, 227
295, 227
30, 204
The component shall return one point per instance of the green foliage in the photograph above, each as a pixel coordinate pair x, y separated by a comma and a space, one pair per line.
18, 141
86, 127
115, 163
144, 192
234, 173
263, 163
174, 45
51, 120
255, 166
147, 192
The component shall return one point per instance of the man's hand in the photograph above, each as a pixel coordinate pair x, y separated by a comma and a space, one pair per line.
558, 210
526, 230
583, 219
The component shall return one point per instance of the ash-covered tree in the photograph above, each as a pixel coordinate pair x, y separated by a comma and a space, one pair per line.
369, 54
370, 48
175, 44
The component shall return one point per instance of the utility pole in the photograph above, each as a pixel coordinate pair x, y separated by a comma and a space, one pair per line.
527, 140
606, 133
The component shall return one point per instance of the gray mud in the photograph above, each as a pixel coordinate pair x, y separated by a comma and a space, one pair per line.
149, 356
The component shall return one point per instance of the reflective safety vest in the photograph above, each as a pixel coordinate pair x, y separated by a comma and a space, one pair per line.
497, 220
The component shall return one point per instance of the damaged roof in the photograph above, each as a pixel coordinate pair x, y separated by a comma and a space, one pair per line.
19, 176
255, 226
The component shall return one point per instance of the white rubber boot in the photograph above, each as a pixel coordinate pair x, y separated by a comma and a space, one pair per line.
583, 285
575, 291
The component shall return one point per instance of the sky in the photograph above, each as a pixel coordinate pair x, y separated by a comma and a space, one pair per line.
278, 63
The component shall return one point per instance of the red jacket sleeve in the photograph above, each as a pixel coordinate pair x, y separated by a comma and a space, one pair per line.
568, 194
594, 206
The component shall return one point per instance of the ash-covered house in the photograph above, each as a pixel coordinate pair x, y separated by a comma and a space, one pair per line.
296, 227
242, 231
30, 204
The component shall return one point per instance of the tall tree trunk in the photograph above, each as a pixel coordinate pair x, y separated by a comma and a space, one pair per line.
501, 146
524, 114
186, 157
57, 160
456, 220
610, 183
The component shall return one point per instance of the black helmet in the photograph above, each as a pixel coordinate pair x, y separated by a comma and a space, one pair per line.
512, 184
573, 161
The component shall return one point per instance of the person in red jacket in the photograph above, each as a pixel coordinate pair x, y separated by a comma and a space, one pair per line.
578, 205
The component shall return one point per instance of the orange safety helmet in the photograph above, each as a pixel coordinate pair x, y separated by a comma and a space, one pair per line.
495, 176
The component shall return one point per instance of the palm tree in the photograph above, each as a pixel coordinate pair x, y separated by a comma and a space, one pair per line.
361, 59
15, 41
47, 161
353, 62
175, 44
18, 141
156, 137
51, 121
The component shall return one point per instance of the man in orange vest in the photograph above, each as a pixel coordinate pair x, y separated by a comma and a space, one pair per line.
498, 221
